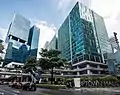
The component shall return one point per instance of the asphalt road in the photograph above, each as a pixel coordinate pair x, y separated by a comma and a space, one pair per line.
5, 90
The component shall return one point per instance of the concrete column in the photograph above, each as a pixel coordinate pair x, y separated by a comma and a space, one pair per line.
100, 59
10, 37
88, 65
98, 72
78, 71
98, 66
26, 78
21, 79
89, 56
18, 40
95, 58
55, 79
88, 71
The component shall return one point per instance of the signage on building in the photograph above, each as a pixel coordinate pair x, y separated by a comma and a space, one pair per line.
77, 82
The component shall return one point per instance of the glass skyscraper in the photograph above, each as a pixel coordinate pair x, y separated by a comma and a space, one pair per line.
18, 49
46, 45
33, 40
53, 43
102, 36
18, 27
81, 40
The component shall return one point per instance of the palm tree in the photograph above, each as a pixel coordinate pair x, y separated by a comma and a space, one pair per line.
50, 60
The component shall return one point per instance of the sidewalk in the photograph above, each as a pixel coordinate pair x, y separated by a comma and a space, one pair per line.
115, 89
102, 89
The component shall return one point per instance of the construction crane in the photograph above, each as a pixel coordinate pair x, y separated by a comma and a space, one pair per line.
113, 59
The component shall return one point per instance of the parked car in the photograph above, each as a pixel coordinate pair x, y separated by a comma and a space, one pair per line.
29, 86
24, 82
23, 85
1, 83
13, 85
5, 83
10, 84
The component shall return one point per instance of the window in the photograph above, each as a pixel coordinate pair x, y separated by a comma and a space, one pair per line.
92, 58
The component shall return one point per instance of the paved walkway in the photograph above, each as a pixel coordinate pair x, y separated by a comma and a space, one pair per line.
82, 91
102, 89
115, 89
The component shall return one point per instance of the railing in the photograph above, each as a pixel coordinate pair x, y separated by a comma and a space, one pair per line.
11, 73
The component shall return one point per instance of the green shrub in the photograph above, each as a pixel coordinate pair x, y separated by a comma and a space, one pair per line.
101, 79
105, 81
50, 86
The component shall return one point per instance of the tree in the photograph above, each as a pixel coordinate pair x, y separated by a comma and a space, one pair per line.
49, 60
1, 48
1, 60
30, 65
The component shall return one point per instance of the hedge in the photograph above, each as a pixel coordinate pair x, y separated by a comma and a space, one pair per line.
105, 78
50, 86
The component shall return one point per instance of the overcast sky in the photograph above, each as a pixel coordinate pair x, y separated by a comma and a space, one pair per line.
49, 14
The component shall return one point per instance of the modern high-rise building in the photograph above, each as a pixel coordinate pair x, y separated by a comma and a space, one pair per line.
21, 41
46, 45
83, 40
101, 36
18, 27
53, 44
33, 40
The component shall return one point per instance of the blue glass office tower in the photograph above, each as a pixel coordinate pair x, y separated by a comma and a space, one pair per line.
33, 40
81, 40
18, 49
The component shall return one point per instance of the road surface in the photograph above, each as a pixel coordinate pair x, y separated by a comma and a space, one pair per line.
5, 90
